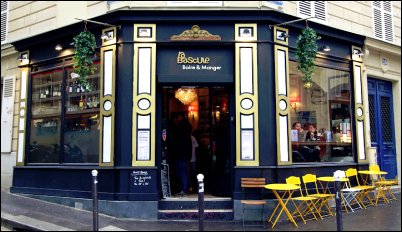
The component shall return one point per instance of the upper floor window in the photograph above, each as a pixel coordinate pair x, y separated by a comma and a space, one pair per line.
383, 21
317, 9
4, 21
195, 3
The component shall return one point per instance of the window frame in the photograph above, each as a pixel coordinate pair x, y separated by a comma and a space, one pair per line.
62, 117
312, 12
352, 117
382, 10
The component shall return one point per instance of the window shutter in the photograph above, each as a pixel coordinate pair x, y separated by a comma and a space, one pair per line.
383, 20
320, 10
305, 9
7, 111
4, 21
317, 9
377, 23
388, 24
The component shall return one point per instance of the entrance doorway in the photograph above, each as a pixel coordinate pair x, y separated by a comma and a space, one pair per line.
196, 128
382, 124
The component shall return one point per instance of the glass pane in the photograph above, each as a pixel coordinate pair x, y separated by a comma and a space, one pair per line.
386, 119
81, 138
46, 93
45, 140
321, 116
81, 133
79, 99
373, 128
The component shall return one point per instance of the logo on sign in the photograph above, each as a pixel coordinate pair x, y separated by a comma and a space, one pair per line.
182, 59
196, 63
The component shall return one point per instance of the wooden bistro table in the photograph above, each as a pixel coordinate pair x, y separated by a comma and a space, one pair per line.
288, 190
380, 192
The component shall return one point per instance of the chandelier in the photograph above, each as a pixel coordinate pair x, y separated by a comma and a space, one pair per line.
186, 96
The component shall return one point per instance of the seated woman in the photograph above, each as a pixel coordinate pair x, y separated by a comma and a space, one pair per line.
312, 153
297, 126
297, 156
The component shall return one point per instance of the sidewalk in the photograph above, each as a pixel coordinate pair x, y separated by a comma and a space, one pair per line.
27, 213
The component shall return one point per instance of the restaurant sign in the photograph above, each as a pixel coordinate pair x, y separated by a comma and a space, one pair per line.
196, 65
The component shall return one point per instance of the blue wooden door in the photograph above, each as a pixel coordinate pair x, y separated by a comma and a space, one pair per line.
382, 130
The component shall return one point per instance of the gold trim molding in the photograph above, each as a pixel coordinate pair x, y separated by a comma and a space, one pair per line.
195, 33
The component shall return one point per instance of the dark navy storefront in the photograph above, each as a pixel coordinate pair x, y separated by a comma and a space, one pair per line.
129, 169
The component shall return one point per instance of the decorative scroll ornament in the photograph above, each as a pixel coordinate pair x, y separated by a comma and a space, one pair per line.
186, 96
195, 34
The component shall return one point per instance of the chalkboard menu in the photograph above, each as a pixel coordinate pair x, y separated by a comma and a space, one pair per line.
165, 180
141, 178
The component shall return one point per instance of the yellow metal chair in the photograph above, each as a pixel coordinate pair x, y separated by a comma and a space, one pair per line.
364, 189
323, 198
384, 183
256, 183
307, 205
349, 196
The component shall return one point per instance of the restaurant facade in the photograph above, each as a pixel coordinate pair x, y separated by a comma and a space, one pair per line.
231, 75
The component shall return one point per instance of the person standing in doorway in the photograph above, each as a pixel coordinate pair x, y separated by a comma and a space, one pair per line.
183, 152
192, 165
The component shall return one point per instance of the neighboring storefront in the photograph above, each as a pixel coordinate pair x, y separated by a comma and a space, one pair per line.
250, 110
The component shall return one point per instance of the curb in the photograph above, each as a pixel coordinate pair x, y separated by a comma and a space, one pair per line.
28, 223
12, 224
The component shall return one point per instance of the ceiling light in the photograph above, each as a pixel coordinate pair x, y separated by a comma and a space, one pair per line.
58, 47
325, 48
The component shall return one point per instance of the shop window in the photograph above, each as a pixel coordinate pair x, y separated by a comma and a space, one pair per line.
68, 134
321, 116
81, 135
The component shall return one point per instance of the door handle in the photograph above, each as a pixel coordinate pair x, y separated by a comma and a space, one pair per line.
389, 146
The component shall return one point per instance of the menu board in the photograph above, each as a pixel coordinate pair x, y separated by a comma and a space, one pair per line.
165, 180
143, 145
141, 178
247, 145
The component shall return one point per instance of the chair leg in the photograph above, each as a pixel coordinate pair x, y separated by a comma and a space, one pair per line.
243, 215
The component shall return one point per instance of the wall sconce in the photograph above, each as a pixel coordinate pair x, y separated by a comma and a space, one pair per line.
107, 35
325, 48
283, 35
358, 53
294, 105
22, 57
58, 47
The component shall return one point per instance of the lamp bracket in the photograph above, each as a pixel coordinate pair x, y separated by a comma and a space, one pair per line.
289, 22
96, 22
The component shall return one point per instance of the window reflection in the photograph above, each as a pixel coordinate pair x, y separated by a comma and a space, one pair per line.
321, 116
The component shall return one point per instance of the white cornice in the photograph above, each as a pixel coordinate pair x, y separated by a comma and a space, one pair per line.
7, 49
374, 44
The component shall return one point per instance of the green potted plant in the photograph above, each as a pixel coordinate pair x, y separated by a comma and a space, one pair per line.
85, 45
306, 50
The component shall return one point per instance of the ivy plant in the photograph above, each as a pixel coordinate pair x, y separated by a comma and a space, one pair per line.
306, 50
85, 45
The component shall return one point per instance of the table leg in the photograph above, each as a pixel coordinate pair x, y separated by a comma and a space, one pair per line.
280, 202
276, 208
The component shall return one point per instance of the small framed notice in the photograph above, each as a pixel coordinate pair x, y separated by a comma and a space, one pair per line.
295, 136
247, 145
143, 145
